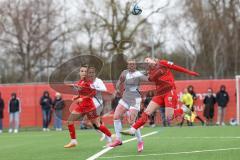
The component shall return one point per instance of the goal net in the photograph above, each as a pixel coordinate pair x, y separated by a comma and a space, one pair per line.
238, 98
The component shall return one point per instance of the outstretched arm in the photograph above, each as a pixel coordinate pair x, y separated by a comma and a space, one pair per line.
171, 65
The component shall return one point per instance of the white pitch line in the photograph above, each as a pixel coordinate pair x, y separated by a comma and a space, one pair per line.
173, 153
97, 155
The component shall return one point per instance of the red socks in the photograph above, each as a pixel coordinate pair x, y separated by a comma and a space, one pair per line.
141, 121
105, 130
102, 128
72, 132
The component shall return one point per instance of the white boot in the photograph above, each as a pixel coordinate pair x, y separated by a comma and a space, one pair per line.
10, 130
15, 130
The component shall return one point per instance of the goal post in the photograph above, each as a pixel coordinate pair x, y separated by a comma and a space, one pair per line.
238, 98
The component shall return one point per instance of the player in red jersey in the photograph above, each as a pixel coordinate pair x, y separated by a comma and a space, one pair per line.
84, 107
160, 73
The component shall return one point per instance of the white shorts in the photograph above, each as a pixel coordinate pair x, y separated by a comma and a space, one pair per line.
136, 106
99, 110
99, 106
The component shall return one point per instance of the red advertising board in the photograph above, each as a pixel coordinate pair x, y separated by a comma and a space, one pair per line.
30, 94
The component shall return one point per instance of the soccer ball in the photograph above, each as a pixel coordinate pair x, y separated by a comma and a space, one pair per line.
233, 122
136, 10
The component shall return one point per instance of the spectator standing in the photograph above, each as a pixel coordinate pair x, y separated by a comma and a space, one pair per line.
1, 113
14, 109
58, 105
194, 96
209, 102
46, 104
222, 101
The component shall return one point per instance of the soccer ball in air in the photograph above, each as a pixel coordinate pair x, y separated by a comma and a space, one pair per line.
136, 10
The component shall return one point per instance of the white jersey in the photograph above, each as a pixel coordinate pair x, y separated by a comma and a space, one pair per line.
100, 87
131, 96
131, 84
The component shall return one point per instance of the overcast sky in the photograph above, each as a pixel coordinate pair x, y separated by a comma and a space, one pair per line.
173, 9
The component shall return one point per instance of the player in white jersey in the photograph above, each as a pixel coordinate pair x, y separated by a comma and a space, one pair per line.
97, 99
131, 101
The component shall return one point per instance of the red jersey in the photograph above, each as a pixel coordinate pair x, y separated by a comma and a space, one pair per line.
162, 76
86, 93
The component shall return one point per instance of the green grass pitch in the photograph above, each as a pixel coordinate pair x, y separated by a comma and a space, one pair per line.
173, 143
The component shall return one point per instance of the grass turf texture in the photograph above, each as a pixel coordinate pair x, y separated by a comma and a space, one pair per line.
49, 145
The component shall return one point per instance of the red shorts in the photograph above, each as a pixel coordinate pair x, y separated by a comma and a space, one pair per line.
87, 109
167, 100
91, 115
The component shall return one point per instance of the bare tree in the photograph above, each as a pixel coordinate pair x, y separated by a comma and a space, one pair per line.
30, 28
216, 26
111, 21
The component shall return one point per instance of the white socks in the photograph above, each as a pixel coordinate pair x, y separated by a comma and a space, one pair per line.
74, 141
118, 128
138, 135
108, 139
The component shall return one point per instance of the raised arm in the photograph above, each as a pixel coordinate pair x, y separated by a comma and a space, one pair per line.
172, 66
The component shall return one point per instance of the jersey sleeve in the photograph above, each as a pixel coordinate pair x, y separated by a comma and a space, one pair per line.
99, 85
172, 66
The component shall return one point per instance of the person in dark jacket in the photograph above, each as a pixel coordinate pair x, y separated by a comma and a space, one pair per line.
1, 112
46, 104
14, 109
58, 105
209, 102
222, 101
